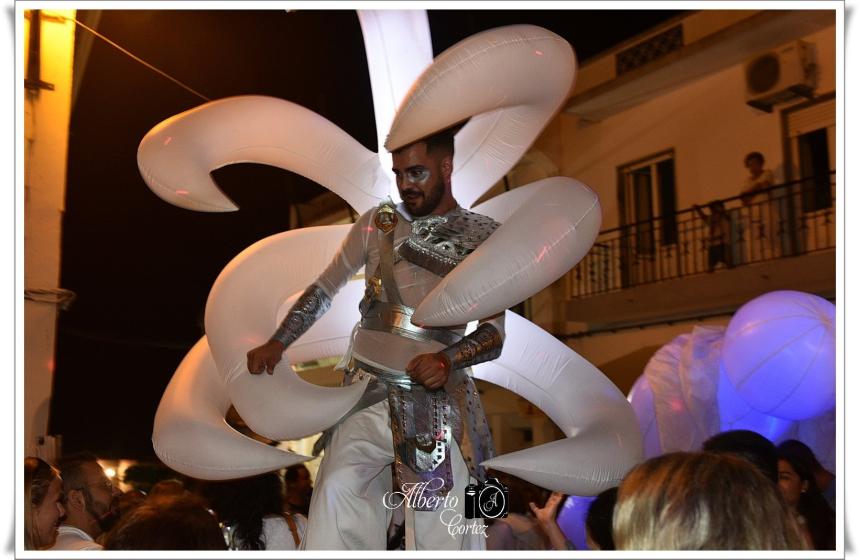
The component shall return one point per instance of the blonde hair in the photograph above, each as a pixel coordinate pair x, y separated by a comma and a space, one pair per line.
38, 476
702, 501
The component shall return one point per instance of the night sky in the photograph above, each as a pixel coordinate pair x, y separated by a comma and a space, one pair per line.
142, 268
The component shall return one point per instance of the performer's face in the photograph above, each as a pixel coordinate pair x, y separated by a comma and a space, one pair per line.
422, 178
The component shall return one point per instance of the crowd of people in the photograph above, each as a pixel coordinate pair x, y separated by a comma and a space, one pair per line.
740, 492
75, 506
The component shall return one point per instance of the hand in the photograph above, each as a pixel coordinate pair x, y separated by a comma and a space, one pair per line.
265, 357
431, 370
546, 514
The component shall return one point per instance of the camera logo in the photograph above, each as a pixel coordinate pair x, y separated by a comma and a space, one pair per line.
487, 500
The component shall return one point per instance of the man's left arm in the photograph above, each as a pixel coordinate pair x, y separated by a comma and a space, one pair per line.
482, 345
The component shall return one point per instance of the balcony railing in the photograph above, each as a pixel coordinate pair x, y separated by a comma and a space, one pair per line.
785, 220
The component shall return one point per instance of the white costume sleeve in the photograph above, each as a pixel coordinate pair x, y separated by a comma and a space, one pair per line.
316, 299
350, 257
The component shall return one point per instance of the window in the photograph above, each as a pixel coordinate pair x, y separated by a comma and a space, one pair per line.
815, 169
811, 131
646, 191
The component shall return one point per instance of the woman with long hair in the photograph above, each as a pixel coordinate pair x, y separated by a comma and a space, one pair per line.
702, 501
815, 517
251, 512
43, 503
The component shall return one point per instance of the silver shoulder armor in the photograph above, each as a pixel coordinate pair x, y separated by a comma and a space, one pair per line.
439, 243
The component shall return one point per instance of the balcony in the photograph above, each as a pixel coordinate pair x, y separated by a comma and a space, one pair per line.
708, 261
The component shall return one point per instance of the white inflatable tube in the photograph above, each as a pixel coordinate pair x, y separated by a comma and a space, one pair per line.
603, 440
176, 156
398, 47
553, 228
510, 80
241, 314
191, 436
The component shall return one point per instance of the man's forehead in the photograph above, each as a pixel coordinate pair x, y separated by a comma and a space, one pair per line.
413, 154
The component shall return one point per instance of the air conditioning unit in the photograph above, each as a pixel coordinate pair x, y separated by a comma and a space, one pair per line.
780, 75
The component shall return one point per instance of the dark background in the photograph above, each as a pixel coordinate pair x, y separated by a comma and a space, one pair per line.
142, 268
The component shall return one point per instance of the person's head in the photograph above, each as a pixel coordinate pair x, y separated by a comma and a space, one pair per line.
297, 482
91, 499
802, 452
701, 501
244, 502
43, 503
168, 523
795, 479
801, 492
754, 161
423, 173
170, 487
598, 522
130, 500
716, 206
749, 445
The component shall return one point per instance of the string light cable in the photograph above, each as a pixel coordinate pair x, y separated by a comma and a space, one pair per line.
132, 55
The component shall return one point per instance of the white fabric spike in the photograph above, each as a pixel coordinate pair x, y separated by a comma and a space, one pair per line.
177, 155
190, 434
510, 81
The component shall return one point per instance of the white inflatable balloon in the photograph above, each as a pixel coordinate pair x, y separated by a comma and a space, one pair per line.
780, 354
510, 81
553, 229
240, 314
641, 398
737, 414
393, 70
191, 436
683, 377
176, 156
603, 440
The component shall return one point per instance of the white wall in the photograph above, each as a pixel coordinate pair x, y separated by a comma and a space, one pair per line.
46, 132
707, 123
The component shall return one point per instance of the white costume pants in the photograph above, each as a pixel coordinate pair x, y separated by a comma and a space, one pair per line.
347, 509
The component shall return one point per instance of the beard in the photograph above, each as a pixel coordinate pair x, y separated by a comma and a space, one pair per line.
108, 518
424, 204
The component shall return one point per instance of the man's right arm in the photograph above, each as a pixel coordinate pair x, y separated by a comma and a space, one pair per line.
316, 299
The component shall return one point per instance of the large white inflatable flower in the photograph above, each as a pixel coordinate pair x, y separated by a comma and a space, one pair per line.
508, 83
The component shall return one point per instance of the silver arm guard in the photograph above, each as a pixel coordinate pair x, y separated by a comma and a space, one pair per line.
308, 308
483, 345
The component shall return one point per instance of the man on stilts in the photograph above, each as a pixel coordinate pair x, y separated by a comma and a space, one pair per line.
421, 409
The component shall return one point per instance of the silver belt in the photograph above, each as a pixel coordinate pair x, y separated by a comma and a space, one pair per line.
356, 366
396, 319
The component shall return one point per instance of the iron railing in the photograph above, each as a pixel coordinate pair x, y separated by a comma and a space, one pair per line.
785, 220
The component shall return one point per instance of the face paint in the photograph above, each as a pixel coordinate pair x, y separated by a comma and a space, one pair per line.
419, 180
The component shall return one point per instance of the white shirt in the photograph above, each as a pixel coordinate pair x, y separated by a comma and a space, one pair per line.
72, 538
277, 534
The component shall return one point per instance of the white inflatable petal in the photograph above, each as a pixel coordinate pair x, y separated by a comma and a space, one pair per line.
603, 440
510, 80
176, 156
190, 435
240, 315
553, 228
283, 406
246, 296
641, 399
398, 47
